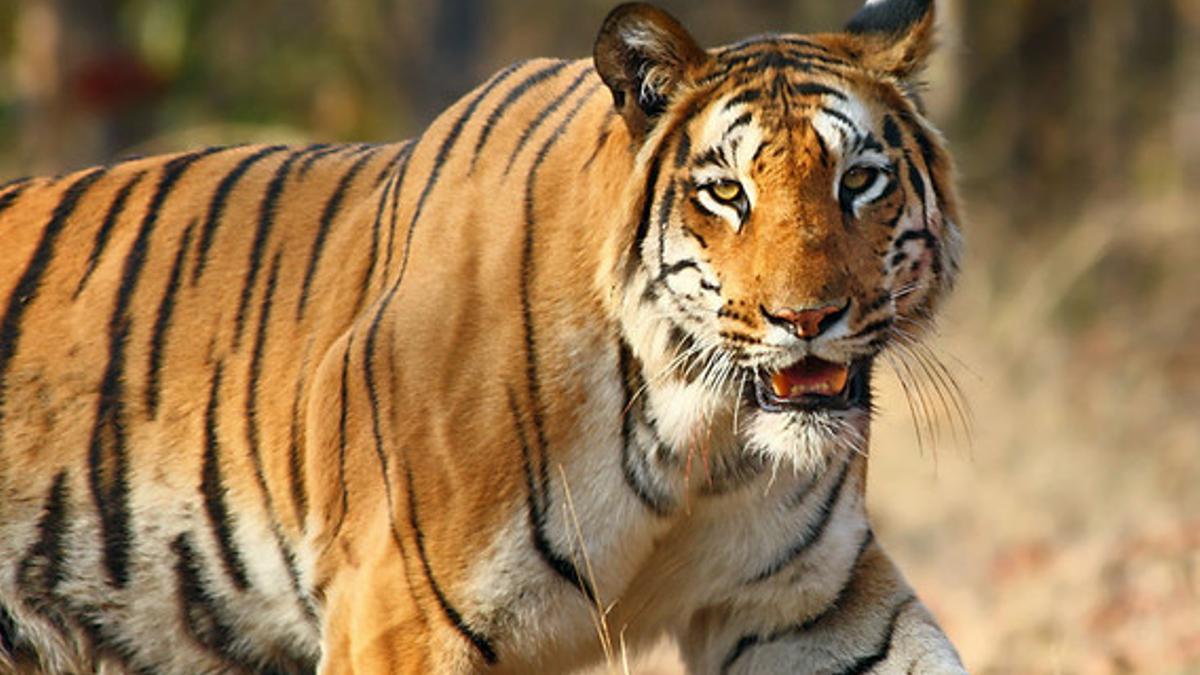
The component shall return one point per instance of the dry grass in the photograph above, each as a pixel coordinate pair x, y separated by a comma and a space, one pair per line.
1067, 540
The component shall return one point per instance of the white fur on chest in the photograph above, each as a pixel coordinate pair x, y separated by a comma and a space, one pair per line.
652, 569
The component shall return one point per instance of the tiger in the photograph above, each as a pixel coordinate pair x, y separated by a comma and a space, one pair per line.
583, 366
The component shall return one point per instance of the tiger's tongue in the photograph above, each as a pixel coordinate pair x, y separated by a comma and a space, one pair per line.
810, 377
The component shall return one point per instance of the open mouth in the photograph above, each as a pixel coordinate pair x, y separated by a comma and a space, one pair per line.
814, 384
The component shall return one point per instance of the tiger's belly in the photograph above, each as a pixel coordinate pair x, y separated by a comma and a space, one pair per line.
138, 551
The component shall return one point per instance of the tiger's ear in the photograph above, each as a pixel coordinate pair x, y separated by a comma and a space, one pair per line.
896, 36
643, 54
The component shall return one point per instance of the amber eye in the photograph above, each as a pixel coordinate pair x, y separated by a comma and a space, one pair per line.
727, 191
859, 178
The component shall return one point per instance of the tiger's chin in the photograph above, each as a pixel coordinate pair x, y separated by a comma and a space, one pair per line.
809, 412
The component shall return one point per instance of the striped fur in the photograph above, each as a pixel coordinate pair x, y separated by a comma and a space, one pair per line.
433, 407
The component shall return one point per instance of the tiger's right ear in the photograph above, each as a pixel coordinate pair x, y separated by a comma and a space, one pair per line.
895, 36
643, 54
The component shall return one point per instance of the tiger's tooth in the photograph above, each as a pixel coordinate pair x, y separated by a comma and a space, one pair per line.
837, 381
781, 386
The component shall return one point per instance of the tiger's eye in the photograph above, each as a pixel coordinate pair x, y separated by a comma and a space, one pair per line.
858, 178
726, 190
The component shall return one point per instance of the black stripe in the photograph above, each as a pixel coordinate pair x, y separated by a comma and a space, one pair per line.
839, 600
812, 530
874, 326
888, 190
748, 642
216, 207
543, 114
380, 451
253, 441
514, 94
266, 219
41, 570
773, 39
754, 64
108, 464
404, 148
343, 428
918, 184
101, 640
924, 236
815, 89
10, 642
633, 461
527, 274
201, 611
605, 132
700, 207
376, 428
16, 184
537, 503
675, 268
213, 488
478, 640
866, 663
891, 132
840, 117
443, 152
390, 189
683, 149
396, 193
890, 223
928, 153
296, 458
742, 646
664, 214
12, 195
696, 235
102, 235
742, 120
435, 171
537, 512
743, 97
868, 142
643, 227
166, 309
824, 148
27, 287
327, 215
323, 152
252, 386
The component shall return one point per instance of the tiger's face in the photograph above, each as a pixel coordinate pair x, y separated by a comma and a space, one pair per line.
799, 219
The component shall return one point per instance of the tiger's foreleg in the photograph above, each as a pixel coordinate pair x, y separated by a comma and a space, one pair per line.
874, 624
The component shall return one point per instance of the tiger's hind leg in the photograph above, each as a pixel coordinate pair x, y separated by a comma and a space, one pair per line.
873, 624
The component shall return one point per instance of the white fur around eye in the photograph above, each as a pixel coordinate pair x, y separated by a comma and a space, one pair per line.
721, 209
884, 176
877, 188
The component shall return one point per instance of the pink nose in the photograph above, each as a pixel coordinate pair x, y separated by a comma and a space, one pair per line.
807, 323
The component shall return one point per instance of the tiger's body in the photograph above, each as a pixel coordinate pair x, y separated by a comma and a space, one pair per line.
439, 406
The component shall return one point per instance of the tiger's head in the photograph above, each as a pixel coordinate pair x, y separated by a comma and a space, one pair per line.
796, 215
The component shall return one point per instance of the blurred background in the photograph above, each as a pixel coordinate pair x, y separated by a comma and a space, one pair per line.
1054, 524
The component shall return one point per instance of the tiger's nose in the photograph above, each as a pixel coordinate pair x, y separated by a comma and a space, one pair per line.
807, 322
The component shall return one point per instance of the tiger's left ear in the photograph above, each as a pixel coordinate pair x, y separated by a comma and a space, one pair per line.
895, 36
643, 54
